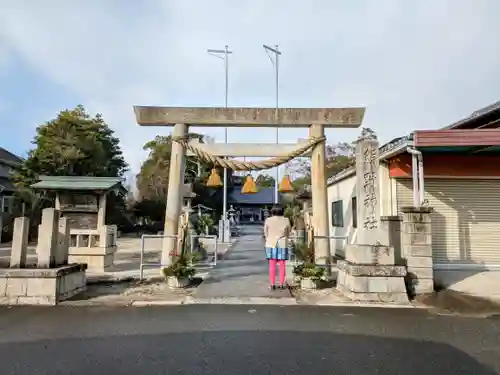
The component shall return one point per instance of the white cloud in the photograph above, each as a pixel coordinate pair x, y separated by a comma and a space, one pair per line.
413, 64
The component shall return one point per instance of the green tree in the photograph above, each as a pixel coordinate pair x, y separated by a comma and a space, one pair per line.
339, 156
73, 144
152, 180
264, 181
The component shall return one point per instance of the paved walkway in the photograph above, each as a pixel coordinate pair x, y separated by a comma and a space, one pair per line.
243, 273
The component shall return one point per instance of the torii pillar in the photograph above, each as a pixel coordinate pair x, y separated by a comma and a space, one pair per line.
316, 119
174, 196
321, 223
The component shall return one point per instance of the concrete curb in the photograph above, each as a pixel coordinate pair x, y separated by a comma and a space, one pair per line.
245, 301
141, 303
105, 280
266, 301
356, 304
241, 301
102, 280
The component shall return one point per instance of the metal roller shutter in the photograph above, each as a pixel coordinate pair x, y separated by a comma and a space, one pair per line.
465, 221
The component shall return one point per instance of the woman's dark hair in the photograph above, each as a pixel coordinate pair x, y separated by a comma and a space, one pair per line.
277, 210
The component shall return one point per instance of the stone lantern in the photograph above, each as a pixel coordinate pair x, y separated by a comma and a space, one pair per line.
231, 212
187, 197
305, 197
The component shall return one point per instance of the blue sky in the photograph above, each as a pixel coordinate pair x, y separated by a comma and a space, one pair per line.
414, 65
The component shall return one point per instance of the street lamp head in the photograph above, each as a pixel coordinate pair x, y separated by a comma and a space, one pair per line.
218, 51
272, 49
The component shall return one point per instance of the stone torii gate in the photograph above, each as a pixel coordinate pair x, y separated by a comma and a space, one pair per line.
316, 119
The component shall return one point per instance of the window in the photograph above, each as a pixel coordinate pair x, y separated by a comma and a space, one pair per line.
6, 204
337, 214
354, 208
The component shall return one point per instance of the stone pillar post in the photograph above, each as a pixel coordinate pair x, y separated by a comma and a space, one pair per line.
305, 205
19, 242
391, 225
61, 257
369, 271
47, 238
101, 214
319, 199
1, 225
417, 248
174, 197
58, 201
368, 191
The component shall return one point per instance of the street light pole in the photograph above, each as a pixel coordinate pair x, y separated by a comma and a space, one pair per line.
223, 54
277, 54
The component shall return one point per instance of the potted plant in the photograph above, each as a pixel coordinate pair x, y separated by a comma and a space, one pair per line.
309, 275
307, 272
181, 271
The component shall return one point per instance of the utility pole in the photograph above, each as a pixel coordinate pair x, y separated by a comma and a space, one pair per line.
275, 62
223, 54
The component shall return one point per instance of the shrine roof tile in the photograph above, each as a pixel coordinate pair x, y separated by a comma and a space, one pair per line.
77, 183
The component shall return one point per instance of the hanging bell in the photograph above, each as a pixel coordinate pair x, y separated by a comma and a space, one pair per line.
286, 185
214, 179
249, 187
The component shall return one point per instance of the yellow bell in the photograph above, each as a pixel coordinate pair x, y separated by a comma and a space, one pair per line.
249, 187
214, 179
285, 185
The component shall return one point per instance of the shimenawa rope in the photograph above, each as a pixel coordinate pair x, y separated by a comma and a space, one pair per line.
237, 165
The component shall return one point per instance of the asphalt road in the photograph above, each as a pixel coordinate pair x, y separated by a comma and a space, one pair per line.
213, 339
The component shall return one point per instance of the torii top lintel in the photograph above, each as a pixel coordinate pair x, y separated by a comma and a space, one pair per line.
249, 117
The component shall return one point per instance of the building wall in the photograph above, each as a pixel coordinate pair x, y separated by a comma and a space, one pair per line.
464, 190
465, 232
343, 190
465, 220
442, 165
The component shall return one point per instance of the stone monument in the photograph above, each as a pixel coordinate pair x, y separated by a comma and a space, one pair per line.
83, 202
49, 281
368, 272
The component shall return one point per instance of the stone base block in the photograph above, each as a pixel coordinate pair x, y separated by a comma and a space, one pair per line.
398, 298
420, 273
97, 259
25, 286
371, 270
369, 254
422, 286
419, 262
412, 250
95, 263
372, 283
92, 250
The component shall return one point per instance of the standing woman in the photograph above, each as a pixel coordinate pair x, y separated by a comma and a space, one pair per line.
276, 231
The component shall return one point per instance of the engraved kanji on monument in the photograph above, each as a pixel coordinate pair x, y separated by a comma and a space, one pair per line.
368, 272
368, 190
